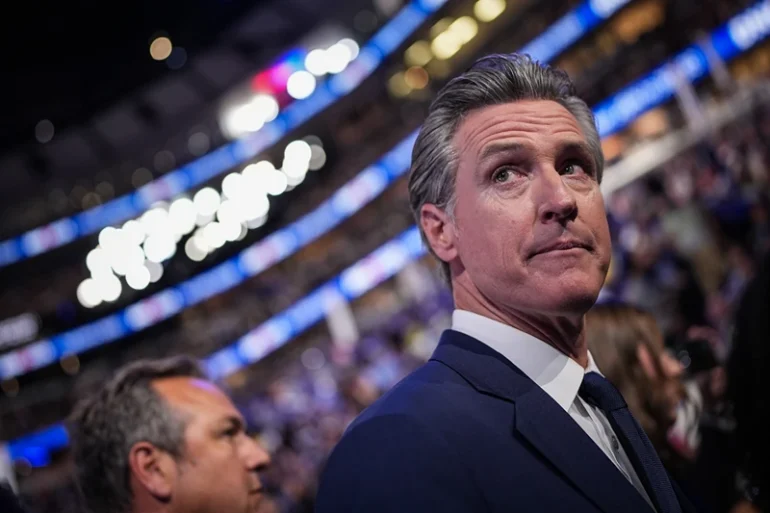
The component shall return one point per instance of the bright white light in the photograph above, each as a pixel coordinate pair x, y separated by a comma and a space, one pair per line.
97, 261
256, 223
109, 237
155, 269
109, 287
231, 231
338, 57
253, 207
266, 106
200, 241
203, 220
251, 116
155, 220
295, 180
88, 293
126, 258
315, 62
206, 201
317, 157
275, 182
159, 248
242, 119
181, 215
232, 185
295, 169
299, 150
259, 167
351, 45
138, 278
192, 250
102, 272
300, 85
214, 235
228, 211
254, 177
134, 232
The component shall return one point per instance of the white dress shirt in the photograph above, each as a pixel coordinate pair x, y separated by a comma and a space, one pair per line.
558, 375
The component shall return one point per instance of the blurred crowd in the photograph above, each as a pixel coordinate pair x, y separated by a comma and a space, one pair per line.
686, 236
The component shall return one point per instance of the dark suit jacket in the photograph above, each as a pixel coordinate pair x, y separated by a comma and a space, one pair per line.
469, 432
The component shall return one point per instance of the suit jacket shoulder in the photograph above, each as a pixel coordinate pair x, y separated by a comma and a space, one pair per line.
396, 456
468, 431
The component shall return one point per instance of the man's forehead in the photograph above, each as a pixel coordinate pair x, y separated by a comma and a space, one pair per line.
520, 124
184, 391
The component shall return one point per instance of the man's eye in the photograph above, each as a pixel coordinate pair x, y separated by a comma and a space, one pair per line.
502, 175
574, 168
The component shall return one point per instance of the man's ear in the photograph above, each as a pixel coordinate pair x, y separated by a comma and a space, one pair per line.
440, 232
152, 469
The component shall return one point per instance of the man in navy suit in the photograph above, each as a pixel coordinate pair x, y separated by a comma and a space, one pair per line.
510, 414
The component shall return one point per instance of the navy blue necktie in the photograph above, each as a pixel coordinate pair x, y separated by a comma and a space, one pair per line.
598, 391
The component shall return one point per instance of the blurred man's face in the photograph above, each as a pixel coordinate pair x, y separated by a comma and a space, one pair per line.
217, 472
530, 227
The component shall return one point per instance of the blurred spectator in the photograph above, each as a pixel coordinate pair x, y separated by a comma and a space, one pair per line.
628, 348
749, 390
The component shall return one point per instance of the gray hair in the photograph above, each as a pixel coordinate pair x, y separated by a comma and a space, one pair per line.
127, 410
491, 80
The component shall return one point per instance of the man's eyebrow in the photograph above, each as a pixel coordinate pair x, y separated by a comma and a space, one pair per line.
501, 148
234, 421
576, 147
494, 149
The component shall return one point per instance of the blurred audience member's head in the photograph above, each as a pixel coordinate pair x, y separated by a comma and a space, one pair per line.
159, 437
627, 346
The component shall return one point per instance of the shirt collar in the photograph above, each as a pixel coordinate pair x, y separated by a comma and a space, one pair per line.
557, 374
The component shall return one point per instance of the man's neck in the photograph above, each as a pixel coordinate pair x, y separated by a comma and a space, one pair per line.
565, 333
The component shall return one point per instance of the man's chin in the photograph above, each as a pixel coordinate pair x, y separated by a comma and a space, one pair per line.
262, 503
570, 301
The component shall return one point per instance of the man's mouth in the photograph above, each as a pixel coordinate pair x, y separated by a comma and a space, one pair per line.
562, 245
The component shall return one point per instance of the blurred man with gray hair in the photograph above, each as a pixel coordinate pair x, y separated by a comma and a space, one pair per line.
160, 438
510, 414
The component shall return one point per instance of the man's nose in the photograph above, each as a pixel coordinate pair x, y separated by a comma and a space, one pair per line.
556, 201
255, 457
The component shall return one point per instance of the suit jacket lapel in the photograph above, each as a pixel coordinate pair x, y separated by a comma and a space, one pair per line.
542, 423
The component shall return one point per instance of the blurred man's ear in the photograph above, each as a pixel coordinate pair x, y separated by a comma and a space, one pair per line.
152, 469
440, 232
